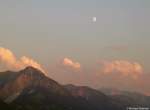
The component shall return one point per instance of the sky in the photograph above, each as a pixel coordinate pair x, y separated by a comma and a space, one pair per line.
60, 38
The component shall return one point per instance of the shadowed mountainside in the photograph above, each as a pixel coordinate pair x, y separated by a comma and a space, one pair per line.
30, 89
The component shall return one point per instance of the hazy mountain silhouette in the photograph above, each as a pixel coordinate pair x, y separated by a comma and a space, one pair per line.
30, 89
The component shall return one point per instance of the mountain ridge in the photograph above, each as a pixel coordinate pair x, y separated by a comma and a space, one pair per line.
31, 89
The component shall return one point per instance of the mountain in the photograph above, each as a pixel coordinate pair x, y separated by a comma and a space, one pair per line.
15, 83
30, 89
111, 91
97, 99
113, 98
127, 98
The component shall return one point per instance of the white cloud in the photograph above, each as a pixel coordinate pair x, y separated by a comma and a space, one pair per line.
124, 67
68, 62
8, 59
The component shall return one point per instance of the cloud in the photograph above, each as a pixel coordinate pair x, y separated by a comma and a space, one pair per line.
10, 61
7, 58
122, 74
68, 62
123, 67
30, 62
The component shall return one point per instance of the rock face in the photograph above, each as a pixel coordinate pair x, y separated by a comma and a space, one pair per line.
29, 77
30, 89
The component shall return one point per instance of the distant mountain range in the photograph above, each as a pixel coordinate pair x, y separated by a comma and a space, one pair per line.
30, 89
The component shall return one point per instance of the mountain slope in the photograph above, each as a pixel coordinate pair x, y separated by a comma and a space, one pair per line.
95, 98
30, 89
127, 98
27, 78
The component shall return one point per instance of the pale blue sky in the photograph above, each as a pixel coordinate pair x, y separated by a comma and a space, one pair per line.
48, 30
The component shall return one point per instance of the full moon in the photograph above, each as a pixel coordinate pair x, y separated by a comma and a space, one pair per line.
94, 19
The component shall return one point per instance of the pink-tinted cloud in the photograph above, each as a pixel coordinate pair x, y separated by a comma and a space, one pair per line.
30, 62
124, 67
70, 63
8, 58
10, 61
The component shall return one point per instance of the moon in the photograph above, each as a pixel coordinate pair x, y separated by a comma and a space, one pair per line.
94, 19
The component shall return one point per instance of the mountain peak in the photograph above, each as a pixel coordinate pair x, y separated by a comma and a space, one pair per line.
31, 70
